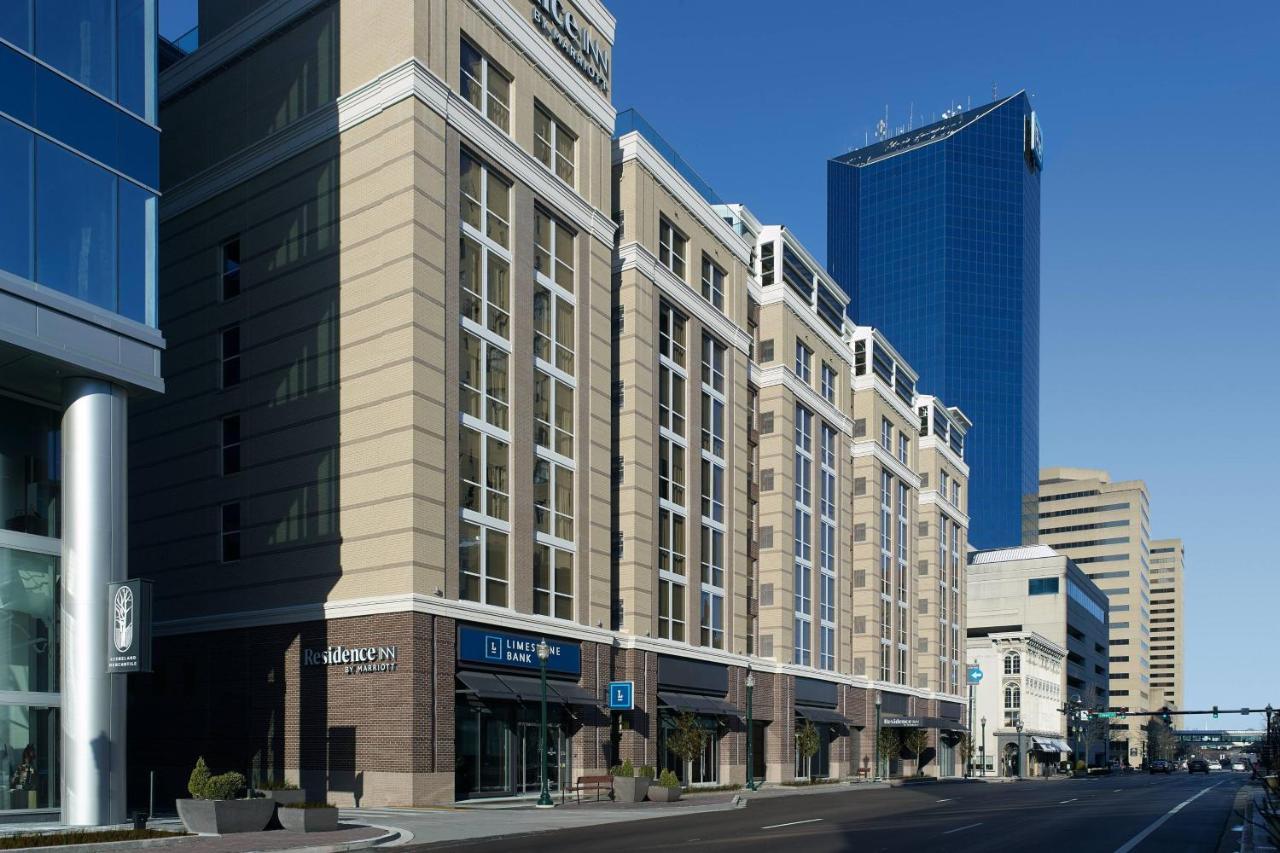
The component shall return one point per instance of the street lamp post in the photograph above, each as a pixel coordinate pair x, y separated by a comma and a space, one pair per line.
1270, 742
969, 767
878, 777
1017, 724
751, 777
544, 799
982, 747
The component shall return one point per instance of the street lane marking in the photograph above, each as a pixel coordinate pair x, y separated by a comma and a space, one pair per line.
1159, 822
1064, 802
793, 823
947, 800
961, 828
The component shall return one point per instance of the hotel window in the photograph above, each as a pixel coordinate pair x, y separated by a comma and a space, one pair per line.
485, 271
713, 475
673, 451
484, 350
485, 85
553, 414
828, 383
903, 523
553, 499
672, 246
230, 355
830, 456
804, 362
553, 340
802, 603
552, 581
231, 445
712, 283
1012, 703
230, 271
886, 434
902, 447
943, 480
1012, 664
884, 660
713, 354
886, 535
553, 144
955, 493
230, 532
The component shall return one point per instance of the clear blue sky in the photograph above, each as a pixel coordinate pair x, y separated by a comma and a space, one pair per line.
1160, 231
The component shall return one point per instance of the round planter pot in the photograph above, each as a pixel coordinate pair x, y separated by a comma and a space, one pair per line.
223, 817
308, 820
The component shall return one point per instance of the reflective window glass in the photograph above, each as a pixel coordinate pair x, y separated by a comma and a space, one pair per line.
15, 22
78, 38
16, 147
136, 207
29, 586
76, 240
30, 466
131, 36
29, 743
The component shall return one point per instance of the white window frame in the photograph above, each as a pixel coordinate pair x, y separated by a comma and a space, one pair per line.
828, 383
487, 97
804, 362
558, 132
712, 282
673, 247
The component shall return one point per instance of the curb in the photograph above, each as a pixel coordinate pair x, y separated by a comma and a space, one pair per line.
391, 837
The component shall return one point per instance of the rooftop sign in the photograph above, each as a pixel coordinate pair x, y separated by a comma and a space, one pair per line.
564, 29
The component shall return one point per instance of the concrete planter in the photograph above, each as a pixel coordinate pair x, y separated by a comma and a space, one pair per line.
308, 820
283, 798
662, 794
630, 789
223, 817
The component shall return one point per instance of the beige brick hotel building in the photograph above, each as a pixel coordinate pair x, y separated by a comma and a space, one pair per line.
462, 360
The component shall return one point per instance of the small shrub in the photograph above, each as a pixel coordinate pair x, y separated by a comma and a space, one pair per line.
198, 782
625, 769
103, 836
647, 772
668, 780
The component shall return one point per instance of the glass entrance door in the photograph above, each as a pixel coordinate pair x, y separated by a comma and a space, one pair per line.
529, 769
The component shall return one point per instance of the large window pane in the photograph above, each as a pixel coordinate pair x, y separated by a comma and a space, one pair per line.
28, 621
78, 38
29, 741
30, 469
15, 22
16, 147
132, 41
76, 240
137, 206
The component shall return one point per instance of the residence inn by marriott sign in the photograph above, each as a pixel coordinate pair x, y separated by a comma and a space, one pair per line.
354, 660
563, 28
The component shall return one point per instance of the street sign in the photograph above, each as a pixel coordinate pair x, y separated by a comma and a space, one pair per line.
1104, 715
1084, 715
622, 695
975, 674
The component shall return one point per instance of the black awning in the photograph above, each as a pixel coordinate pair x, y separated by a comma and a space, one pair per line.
530, 689
572, 694
708, 705
486, 685
821, 715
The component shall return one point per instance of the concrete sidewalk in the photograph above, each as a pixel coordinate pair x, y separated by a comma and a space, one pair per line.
348, 836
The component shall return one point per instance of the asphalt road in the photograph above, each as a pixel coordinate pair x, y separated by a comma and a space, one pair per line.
1120, 814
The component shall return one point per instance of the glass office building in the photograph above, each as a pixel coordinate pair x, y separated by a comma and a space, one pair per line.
79, 167
935, 234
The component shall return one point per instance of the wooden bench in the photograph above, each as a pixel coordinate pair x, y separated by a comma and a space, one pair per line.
864, 772
592, 783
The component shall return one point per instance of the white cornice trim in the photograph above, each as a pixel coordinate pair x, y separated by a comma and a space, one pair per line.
870, 382
931, 497
870, 447
775, 293
633, 146
226, 45
635, 256
780, 374
930, 442
408, 79
520, 30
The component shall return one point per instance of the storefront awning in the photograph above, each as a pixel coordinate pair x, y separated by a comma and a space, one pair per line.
708, 705
821, 715
1048, 744
519, 688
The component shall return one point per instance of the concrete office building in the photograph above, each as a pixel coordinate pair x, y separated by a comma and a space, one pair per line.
1022, 683
1105, 528
464, 361
1032, 588
935, 233
78, 338
1168, 561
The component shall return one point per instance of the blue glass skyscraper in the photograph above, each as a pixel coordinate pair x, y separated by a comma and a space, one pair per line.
935, 234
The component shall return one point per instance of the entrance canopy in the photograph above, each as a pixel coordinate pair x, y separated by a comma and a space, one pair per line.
708, 705
519, 688
1048, 744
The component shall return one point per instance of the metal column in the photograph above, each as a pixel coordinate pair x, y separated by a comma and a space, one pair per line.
93, 554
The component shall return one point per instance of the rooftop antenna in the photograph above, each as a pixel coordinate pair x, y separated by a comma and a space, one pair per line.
969, 103
911, 117
882, 126
993, 91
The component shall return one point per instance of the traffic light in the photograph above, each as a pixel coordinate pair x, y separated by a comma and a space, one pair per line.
1165, 717
1215, 712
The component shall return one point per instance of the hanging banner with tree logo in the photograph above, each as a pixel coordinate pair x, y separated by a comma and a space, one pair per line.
129, 626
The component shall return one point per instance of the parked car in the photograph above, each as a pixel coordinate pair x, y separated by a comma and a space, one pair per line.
1238, 767
1160, 766
1198, 765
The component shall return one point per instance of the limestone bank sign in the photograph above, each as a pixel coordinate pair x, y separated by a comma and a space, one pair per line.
354, 660
563, 29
